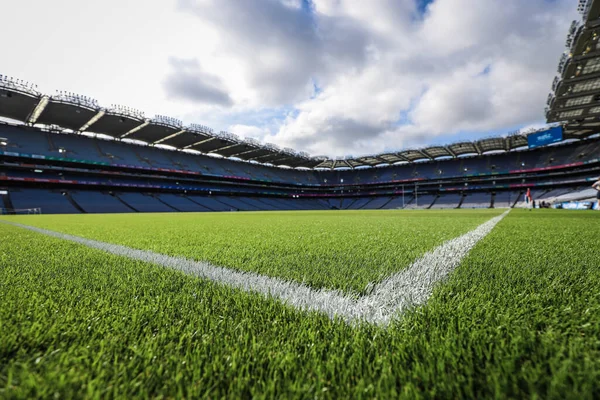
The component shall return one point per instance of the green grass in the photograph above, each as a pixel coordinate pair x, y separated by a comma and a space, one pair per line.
342, 250
519, 318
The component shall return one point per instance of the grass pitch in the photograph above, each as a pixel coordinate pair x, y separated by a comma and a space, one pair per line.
336, 250
519, 317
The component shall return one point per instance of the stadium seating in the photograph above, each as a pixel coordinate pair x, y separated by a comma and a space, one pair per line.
97, 202
397, 202
208, 202
143, 202
50, 202
506, 199
181, 203
377, 203
477, 200
75, 146
22, 140
358, 203
447, 201
577, 194
32, 141
151, 179
421, 201
555, 193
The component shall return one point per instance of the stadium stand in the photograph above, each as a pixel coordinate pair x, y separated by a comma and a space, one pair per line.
98, 202
63, 166
397, 203
144, 202
578, 194
180, 202
377, 203
447, 201
421, 201
477, 200
208, 202
50, 201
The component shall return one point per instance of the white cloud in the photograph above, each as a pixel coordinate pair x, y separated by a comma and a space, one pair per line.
359, 76
189, 83
249, 131
466, 66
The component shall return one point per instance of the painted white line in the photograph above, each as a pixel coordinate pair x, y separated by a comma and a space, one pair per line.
388, 299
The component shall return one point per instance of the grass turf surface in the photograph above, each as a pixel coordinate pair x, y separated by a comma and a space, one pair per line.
344, 250
519, 318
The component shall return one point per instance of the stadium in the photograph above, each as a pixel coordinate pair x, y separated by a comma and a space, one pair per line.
144, 257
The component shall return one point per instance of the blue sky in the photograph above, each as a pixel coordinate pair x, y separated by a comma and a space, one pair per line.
331, 77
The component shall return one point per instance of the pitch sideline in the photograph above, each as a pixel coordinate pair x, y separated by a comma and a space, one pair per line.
408, 288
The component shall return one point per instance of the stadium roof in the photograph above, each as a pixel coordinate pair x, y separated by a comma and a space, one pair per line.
574, 101
575, 96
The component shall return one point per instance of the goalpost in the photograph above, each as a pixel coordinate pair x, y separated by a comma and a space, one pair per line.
20, 211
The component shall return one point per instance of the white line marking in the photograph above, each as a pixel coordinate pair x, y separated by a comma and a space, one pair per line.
408, 288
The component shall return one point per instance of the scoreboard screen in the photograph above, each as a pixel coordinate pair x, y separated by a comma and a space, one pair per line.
546, 137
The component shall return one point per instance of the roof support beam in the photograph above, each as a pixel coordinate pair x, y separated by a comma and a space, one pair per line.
370, 161
274, 157
92, 121
266, 155
245, 152
402, 157
424, 154
224, 148
169, 137
137, 128
323, 164
476, 145
200, 142
37, 111
427, 154
280, 159
449, 150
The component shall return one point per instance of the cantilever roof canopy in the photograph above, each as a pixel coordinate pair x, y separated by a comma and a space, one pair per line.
354, 163
413, 155
212, 144
253, 154
577, 99
155, 130
492, 144
327, 164
272, 157
17, 101
309, 162
65, 112
463, 148
372, 160
437, 151
115, 124
516, 141
184, 138
392, 158
235, 148
575, 95
582, 129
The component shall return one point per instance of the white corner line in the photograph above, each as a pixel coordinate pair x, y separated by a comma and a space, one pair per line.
408, 288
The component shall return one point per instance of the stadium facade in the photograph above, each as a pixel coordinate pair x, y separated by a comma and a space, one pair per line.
65, 153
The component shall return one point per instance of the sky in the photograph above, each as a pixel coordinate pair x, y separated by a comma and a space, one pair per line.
330, 77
